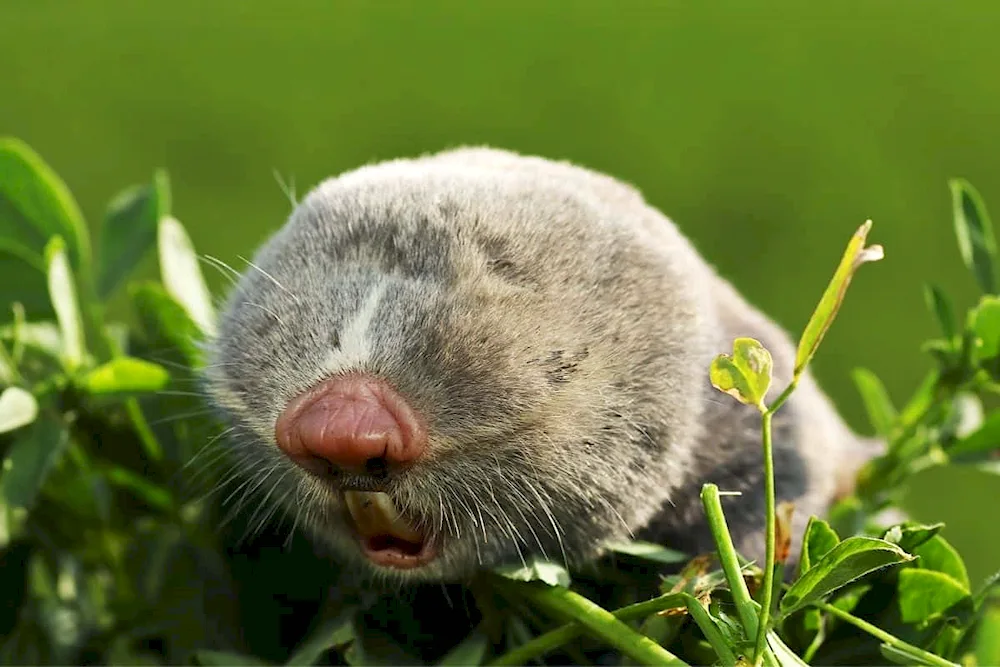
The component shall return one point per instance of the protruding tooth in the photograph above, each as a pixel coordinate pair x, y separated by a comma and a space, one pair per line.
376, 514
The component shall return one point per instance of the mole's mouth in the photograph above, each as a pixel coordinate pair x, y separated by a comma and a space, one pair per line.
386, 538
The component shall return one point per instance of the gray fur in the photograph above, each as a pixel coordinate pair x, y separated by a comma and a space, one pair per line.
555, 332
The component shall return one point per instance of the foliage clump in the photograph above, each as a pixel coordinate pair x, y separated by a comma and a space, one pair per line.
105, 560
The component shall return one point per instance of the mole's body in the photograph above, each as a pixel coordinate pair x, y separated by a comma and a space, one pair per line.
453, 361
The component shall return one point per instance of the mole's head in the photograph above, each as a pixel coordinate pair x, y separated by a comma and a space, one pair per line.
438, 366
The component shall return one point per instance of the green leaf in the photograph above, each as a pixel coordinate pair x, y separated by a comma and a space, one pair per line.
62, 292
850, 560
29, 461
224, 659
536, 570
925, 594
992, 583
649, 551
909, 536
336, 632
35, 204
17, 408
783, 654
182, 276
939, 304
937, 554
976, 241
881, 412
818, 540
988, 638
43, 336
746, 376
921, 400
128, 231
985, 324
979, 444
165, 322
854, 256
125, 375
469, 652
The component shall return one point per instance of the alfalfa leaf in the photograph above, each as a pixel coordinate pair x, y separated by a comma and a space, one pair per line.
181, 274
854, 256
62, 292
29, 461
926, 594
128, 231
17, 408
746, 375
36, 205
976, 241
818, 540
847, 562
537, 569
881, 412
125, 375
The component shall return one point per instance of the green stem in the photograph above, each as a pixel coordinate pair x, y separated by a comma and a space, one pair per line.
884, 636
767, 593
768, 587
9, 373
553, 639
783, 396
143, 429
817, 641
745, 606
711, 632
601, 622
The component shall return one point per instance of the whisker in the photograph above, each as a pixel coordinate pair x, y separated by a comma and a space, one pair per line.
271, 278
288, 189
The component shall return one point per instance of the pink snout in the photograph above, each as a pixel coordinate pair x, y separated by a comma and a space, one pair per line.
348, 421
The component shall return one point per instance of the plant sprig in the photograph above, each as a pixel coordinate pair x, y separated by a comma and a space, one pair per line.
94, 427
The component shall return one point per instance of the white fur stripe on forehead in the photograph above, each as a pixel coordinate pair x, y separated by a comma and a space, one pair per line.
355, 346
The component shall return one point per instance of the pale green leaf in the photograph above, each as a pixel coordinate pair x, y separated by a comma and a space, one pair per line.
125, 375
537, 569
649, 551
854, 256
181, 274
986, 326
62, 292
909, 536
881, 412
17, 408
746, 375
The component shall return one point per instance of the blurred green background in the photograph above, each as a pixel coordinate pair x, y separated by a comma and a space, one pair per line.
767, 131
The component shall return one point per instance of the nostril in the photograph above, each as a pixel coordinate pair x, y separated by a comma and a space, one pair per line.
377, 467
